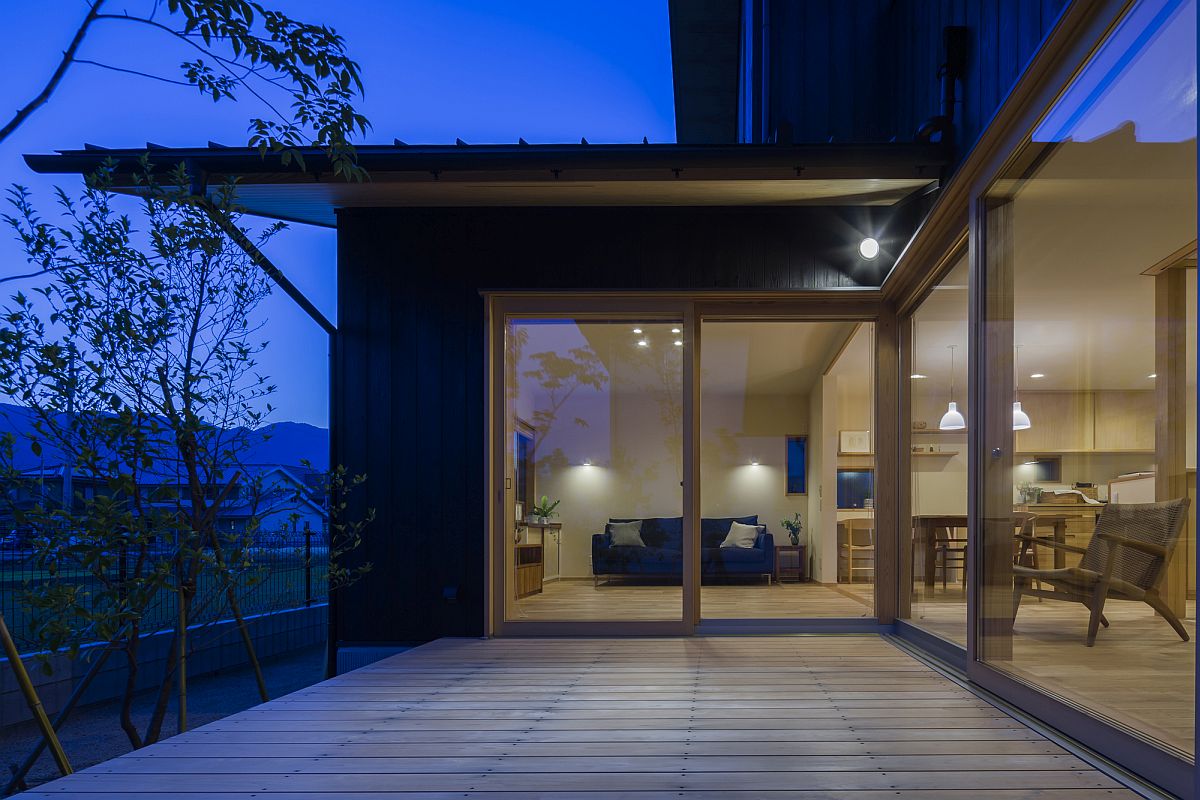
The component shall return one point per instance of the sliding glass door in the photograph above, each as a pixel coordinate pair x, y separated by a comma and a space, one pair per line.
593, 520
1086, 411
787, 520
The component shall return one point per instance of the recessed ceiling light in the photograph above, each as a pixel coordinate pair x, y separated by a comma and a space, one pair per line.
1152, 375
1037, 375
643, 343
676, 330
916, 376
679, 343
868, 248
637, 330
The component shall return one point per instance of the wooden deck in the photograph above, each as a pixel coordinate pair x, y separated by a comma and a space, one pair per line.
841, 717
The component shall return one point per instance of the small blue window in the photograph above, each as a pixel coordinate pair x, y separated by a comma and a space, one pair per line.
797, 465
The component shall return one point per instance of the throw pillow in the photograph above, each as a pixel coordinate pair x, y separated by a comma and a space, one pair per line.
626, 534
741, 535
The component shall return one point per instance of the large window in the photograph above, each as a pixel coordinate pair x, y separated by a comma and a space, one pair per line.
1088, 584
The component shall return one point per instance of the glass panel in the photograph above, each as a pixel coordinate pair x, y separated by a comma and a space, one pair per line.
1088, 422
938, 463
594, 410
779, 402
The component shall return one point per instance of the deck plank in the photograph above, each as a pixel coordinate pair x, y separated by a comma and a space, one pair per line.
841, 717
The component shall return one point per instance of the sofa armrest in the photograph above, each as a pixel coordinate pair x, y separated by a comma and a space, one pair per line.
766, 542
599, 542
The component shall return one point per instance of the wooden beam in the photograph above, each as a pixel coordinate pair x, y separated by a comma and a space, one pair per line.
1170, 427
990, 408
889, 533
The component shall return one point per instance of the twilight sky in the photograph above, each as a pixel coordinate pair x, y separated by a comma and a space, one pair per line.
550, 71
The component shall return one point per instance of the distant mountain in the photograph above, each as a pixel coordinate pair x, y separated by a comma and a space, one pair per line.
280, 443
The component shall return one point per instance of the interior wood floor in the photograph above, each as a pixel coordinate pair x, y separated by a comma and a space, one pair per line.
1139, 673
836, 717
577, 600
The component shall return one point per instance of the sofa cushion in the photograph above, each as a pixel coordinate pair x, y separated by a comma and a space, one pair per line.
713, 530
625, 534
741, 535
732, 555
664, 532
638, 560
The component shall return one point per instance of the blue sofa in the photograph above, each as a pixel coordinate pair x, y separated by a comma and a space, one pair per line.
663, 554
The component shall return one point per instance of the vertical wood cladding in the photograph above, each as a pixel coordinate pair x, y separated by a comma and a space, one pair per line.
866, 70
409, 392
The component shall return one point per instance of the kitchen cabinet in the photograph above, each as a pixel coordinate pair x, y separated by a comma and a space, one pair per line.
1109, 421
1062, 422
1124, 420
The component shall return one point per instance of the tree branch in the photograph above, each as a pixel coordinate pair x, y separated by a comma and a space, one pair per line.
139, 73
56, 78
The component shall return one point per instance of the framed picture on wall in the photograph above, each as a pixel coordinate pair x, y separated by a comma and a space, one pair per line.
854, 442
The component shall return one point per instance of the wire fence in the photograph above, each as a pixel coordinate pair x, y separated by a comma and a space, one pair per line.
280, 571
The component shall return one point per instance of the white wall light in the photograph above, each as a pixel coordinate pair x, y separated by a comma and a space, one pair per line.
868, 248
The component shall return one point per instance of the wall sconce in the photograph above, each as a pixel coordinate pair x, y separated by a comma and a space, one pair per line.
754, 462
587, 462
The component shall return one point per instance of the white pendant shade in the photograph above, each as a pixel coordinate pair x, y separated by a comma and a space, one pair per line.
952, 420
1020, 418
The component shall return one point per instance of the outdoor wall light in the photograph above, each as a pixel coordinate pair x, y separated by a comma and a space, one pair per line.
868, 248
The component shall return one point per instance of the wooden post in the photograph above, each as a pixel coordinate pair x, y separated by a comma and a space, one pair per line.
990, 412
888, 530
1170, 426
904, 553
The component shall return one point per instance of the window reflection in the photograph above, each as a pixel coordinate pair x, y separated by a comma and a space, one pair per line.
1090, 323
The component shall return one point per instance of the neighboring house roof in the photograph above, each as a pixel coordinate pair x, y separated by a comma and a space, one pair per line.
833, 174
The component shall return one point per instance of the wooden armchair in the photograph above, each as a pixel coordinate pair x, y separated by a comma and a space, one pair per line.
1126, 560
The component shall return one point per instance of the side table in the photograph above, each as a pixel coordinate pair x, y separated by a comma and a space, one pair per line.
791, 561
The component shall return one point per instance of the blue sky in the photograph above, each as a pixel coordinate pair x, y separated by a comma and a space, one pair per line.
482, 71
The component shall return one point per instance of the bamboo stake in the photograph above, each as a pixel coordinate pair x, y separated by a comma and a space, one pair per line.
32, 700
18, 778
182, 661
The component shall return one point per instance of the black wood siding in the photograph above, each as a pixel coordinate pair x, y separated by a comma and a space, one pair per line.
409, 376
866, 70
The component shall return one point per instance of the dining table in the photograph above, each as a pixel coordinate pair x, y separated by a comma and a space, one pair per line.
926, 526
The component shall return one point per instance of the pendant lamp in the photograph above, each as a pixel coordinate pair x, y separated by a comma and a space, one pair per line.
953, 419
1021, 421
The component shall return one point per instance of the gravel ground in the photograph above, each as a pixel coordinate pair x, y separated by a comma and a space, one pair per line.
93, 734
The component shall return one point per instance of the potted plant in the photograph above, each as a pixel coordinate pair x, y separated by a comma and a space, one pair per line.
544, 510
794, 526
